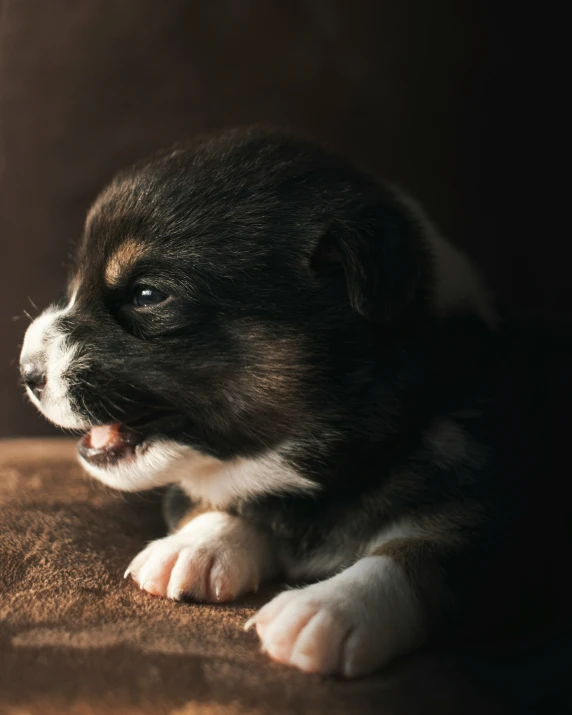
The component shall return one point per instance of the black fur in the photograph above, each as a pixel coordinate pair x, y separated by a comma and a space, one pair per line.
302, 309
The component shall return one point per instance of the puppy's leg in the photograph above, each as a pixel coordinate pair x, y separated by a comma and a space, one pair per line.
177, 508
212, 557
360, 619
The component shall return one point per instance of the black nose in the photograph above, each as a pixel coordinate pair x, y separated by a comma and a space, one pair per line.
34, 377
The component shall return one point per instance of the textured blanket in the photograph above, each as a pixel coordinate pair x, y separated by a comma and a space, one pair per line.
76, 638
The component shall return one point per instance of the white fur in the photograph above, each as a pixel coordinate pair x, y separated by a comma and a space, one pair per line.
350, 624
405, 528
55, 403
219, 483
163, 461
160, 464
45, 344
447, 440
204, 478
37, 334
458, 284
215, 557
451, 446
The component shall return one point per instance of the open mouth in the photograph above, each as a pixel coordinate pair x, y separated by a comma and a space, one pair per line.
108, 445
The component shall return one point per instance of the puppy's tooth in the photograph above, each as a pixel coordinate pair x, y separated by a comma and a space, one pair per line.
250, 622
217, 592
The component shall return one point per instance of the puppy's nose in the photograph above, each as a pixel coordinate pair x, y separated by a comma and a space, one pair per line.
34, 376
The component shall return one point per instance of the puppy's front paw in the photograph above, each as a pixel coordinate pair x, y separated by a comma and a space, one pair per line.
351, 624
215, 558
307, 630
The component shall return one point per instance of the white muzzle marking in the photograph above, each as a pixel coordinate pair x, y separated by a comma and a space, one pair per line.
47, 345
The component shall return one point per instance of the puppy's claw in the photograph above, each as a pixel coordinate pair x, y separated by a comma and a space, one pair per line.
250, 622
213, 559
175, 592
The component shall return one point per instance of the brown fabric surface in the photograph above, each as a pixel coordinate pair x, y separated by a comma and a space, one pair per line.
75, 637
75, 633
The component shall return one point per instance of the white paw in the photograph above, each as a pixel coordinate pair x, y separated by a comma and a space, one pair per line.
351, 624
214, 558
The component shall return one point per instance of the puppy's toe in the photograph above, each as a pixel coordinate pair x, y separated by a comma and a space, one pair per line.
151, 569
299, 630
227, 580
215, 558
350, 624
268, 613
319, 646
189, 576
360, 655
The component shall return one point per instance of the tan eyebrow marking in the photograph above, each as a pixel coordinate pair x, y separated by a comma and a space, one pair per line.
124, 258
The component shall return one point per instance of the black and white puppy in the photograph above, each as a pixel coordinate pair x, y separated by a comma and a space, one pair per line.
324, 379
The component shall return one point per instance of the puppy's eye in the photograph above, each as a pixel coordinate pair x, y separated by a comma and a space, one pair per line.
144, 296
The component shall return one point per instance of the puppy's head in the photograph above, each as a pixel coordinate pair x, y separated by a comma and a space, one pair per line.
221, 292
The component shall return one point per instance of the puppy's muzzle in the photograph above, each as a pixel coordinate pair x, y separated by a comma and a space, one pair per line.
48, 364
34, 377
108, 445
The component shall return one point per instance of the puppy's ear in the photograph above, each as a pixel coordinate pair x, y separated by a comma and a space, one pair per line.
377, 250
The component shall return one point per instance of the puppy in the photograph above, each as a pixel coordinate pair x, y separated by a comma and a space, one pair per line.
324, 381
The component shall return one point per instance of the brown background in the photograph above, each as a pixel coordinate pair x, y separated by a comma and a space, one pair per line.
461, 102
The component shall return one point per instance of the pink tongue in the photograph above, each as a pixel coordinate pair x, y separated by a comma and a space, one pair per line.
105, 436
